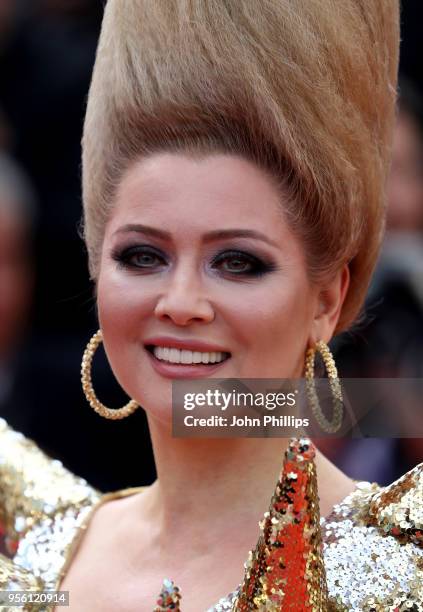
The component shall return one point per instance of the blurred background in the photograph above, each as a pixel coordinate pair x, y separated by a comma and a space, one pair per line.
47, 310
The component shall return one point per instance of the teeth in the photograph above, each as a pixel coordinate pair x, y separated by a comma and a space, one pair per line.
196, 357
174, 355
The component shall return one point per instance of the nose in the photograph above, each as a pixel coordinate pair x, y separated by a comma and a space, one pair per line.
184, 302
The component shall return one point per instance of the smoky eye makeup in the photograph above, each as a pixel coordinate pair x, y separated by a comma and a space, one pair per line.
138, 257
232, 262
241, 263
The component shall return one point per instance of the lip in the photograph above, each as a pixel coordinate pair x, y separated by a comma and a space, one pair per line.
176, 370
190, 345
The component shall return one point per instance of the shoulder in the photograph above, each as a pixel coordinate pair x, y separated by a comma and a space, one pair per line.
397, 509
33, 484
373, 544
42, 505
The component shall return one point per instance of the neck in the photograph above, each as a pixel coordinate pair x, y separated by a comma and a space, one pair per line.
213, 477
224, 483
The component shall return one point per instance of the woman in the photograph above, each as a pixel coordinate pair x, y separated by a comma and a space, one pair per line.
234, 157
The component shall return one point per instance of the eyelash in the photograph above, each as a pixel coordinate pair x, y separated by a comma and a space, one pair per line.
125, 259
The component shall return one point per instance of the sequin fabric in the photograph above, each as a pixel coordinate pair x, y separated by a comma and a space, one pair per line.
373, 548
287, 565
42, 508
366, 556
169, 597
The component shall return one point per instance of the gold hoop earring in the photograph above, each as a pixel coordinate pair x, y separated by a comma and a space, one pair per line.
87, 386
335, 386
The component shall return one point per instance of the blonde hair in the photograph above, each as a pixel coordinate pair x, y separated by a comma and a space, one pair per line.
304, 88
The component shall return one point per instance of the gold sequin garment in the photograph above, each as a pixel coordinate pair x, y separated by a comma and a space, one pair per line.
42, 506
372, 540
373, 550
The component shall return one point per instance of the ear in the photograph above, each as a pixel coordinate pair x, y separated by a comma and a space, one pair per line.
329, 303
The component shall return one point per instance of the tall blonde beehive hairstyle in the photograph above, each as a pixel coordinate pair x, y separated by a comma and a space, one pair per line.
304, 88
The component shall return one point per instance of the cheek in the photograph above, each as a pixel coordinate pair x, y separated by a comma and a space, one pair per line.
123, 310
276, 328
122, 307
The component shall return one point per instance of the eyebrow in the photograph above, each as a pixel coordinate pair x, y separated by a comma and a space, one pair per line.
208, 237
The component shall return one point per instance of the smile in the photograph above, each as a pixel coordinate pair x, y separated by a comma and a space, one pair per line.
186, 357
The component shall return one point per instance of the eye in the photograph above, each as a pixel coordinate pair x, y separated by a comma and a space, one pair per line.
141, 257
240, 263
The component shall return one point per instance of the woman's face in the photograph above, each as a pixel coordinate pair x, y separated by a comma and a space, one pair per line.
198, 252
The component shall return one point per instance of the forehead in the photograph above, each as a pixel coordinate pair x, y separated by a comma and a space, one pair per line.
216, 191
